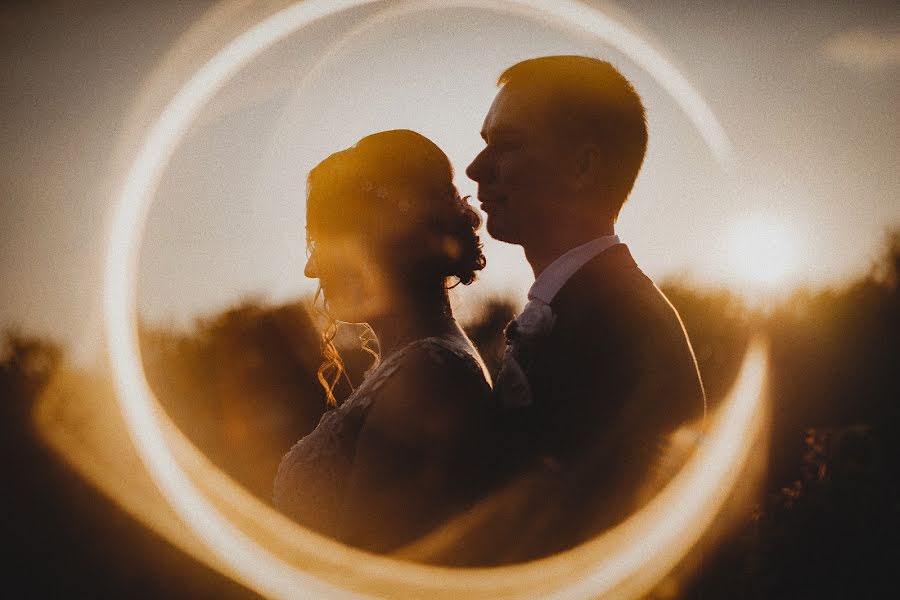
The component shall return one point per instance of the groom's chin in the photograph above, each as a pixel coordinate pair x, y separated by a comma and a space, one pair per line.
497, 231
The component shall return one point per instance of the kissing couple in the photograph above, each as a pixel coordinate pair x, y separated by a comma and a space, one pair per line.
427, 459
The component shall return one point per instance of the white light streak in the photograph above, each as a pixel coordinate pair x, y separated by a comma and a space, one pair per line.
657, 536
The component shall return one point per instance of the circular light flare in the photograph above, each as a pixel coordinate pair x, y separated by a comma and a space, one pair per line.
655, 539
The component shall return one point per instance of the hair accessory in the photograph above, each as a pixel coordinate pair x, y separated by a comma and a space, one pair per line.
369, 186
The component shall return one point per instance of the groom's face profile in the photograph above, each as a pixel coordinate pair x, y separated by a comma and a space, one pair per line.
522, 170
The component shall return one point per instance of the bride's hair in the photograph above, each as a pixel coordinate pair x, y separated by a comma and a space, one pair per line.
393, 192
332, 368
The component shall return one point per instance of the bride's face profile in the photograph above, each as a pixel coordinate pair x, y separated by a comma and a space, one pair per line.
352, 284
386, 227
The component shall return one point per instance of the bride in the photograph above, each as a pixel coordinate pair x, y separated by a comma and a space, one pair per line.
388, 234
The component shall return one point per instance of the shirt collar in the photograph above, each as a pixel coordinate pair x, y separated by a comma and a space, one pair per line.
551, 279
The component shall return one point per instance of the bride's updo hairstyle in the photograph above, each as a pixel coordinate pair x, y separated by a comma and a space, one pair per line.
393, 193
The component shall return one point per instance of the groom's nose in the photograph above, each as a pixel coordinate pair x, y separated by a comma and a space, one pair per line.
477, 170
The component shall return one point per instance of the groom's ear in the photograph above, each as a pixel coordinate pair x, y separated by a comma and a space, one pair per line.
588, 167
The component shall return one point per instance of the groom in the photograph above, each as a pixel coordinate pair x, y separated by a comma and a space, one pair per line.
598, 371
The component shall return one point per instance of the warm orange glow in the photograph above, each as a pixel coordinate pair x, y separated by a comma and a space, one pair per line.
224, 526
761, 251
245, 539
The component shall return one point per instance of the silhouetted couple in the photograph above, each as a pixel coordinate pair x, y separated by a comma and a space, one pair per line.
425, 460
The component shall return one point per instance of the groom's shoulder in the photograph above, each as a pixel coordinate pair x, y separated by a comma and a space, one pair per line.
610, 284
612, 301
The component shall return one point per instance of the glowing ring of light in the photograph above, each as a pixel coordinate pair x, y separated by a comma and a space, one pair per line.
623, 570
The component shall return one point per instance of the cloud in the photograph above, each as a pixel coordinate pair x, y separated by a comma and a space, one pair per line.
865, 50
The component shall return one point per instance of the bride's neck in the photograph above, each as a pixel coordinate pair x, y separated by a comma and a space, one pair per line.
412, 320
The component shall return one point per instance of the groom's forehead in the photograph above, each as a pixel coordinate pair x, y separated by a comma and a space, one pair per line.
516, 110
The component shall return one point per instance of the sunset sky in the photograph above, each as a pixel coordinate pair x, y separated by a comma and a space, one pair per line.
807, 92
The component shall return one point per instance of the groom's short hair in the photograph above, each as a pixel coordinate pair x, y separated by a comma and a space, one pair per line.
589, 101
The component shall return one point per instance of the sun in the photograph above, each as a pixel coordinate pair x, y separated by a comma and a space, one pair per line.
761, 252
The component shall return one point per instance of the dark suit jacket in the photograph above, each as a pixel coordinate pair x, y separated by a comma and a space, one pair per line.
614, 377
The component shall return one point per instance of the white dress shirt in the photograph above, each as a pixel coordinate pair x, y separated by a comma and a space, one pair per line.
537, 319
551, 279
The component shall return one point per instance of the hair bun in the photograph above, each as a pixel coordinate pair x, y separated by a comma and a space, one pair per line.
468, 257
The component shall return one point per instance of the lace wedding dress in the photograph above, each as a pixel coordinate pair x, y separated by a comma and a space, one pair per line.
312, 478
